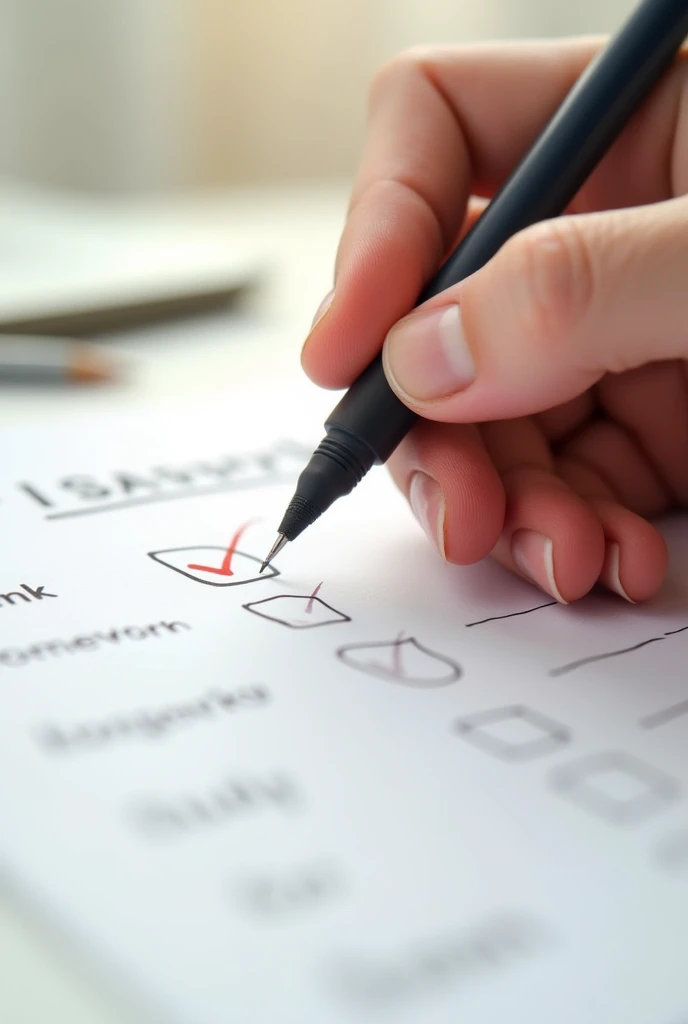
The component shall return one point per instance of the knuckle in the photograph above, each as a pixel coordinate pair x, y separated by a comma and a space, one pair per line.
558, 269
407, 62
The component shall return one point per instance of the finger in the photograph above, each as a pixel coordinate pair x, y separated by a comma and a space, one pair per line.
443, 123
635, 559
453, 489
415, 177
559, 306
551, 536
652, 405
615, 457
562, 420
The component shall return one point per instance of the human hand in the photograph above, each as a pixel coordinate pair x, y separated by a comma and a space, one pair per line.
553, 383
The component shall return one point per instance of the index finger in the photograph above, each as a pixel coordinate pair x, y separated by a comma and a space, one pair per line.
443, 123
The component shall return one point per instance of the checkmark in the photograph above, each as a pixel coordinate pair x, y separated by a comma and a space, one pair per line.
311, 600
226, 567
229, 568
396, 667
403, 660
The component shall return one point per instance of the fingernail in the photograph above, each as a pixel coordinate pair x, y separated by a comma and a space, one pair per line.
533, 553
427, 502
426, 355
610, 572
323, 308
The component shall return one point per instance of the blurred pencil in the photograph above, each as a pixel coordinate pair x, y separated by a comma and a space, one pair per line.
34, 359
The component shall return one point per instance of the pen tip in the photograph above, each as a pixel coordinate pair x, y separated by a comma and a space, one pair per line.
274, 551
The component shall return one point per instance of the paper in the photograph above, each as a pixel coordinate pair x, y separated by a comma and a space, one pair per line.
367, 786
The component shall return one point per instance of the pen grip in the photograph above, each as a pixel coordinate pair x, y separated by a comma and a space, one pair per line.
573, 142
542, 185
370, 412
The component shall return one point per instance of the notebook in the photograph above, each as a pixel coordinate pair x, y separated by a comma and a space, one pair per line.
80, 265
364, 786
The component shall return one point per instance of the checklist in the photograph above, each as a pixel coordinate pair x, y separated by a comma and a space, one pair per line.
363, 785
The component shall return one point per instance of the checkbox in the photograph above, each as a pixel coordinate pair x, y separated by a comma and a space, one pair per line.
513, 733
203, 564
297, 612
616, 786
403, 661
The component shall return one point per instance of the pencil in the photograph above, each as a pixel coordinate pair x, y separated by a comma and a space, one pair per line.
35, 359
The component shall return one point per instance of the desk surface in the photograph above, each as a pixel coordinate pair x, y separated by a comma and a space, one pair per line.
297, 228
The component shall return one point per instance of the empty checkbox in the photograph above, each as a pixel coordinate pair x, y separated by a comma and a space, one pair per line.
616, 786
514, 733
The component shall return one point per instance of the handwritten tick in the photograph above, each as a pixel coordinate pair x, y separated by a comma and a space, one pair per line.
226, 567
397, 666
406, 661
311, 599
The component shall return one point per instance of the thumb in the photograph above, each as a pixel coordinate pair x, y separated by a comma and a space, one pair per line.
560, 305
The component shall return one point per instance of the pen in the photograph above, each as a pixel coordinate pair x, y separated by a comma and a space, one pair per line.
370, 421
31, 359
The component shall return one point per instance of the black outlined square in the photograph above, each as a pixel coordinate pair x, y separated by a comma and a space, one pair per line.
616, 786
513, 733
245, 567
296, 611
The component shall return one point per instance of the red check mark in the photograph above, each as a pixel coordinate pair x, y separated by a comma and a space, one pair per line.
397, 667
226, 567
311, 599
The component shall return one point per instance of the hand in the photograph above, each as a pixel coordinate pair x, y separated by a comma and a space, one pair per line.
568, 349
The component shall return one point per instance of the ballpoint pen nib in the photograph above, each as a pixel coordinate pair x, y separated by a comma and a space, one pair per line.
274, 550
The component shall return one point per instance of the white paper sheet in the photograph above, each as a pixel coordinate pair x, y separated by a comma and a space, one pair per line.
367, 787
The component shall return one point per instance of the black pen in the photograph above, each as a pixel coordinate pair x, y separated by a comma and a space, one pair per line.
370, 421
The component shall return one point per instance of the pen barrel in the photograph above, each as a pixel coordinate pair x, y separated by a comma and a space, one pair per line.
369, 413
576, 138
565, 153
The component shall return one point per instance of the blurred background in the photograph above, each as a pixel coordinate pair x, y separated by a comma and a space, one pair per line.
211, 122
162, 95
